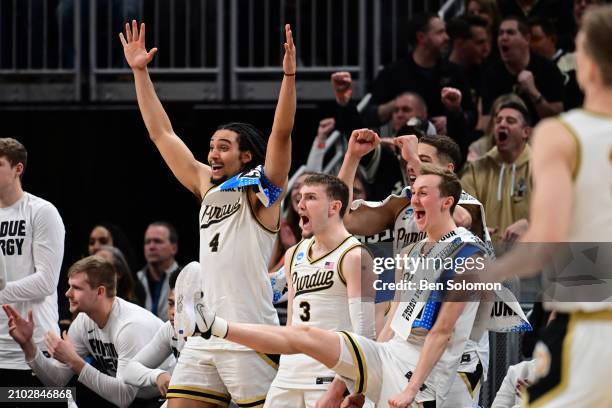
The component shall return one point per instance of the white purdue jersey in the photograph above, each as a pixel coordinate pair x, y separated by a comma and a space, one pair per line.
32, 241
406, 233
234, 251
320, 300
591, 219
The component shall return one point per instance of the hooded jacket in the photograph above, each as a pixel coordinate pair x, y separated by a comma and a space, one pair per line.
504, 189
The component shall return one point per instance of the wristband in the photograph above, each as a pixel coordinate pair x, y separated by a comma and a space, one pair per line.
286, 74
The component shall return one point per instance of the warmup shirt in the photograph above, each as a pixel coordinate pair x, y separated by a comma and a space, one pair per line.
320, 301
32, 241
128, 330
159, 356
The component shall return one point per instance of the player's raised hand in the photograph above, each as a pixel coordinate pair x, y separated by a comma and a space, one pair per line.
20, 330
362, 142
408, 145
134, 48
289, 61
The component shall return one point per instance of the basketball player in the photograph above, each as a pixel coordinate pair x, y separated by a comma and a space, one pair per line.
325, 289
409, 366
238, 222
572, 198
32, 242
148, 367
397, 213
109, 328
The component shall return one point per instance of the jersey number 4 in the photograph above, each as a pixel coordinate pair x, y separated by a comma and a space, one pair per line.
214, 243
305, 315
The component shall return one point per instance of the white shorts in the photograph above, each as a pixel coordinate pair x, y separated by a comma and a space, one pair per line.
216, 376
465, 389
376, 369
292, 398
573, 362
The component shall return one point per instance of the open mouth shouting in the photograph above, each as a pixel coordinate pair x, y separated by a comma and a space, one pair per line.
304, 222
502, 137
217, 168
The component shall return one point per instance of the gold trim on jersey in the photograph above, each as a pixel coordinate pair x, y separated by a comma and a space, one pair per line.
597, 114
268, 360
359, 361
198, 394
261, 224
565, 367
252, 402
572, 132
206, 193
599, 315
293, 255
311, 261
340, 273
468, 385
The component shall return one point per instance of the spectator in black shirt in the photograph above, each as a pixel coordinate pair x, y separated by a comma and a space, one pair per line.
469, 38
535, 79
423, 72
558, 11
543, 39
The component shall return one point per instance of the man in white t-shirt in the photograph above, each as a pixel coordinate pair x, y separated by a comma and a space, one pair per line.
108, 328
32, 242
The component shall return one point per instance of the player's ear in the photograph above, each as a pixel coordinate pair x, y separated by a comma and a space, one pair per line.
336, 206
448, 202
246, 156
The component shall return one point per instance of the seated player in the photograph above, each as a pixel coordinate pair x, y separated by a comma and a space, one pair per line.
109, 328
146, 367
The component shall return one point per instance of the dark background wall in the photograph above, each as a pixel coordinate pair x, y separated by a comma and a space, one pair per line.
96, 163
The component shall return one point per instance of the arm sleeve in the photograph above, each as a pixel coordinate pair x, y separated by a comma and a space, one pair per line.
315, 157
51, 372
129, 341
48, 251
506, 395
363, 319
142, 370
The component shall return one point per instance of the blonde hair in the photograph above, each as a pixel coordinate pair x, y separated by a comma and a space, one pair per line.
99, 271
597, 29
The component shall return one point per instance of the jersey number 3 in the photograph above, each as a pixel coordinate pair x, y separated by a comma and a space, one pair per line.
214, 243
305, 315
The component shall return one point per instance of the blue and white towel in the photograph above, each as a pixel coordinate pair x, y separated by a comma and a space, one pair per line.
267, 192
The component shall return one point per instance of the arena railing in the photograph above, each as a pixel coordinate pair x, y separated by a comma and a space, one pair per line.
40, 58
389, 36
189, 34
330, 36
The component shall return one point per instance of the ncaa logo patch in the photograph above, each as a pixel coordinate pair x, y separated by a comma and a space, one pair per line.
299, 256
